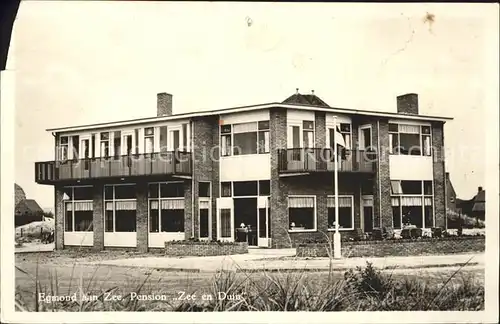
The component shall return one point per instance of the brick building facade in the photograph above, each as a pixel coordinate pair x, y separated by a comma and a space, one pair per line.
136, 184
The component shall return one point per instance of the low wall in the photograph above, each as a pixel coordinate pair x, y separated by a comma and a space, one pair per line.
204, 249
447, 245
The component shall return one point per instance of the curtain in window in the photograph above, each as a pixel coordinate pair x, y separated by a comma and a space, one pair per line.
367, 202
396, 187
411, 201
69, 206
300, 202
245, 127
225, 222
395, 201
172, 204
109, 205
154, 204
409, 129
204, 204
126, 205
83, 206
428, 201
343, 202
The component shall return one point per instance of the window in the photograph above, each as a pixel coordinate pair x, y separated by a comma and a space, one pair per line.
92, 145
308, 134
104, 145
225, 189
204, 189
264, 188
263, 140
184, 136
149, 135
412, 203
64, 147
245, 138
295, 136
302, 213
76, 147
346, 212
176, 145
117, 143
245, 188
78, 207
136, 144
204, 217
345, 130
166, 207
86, 148
120, 205
365, 137
163, 138
225, 140
410, 139
225, 223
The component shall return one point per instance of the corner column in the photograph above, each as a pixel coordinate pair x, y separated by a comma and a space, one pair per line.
59, 218
98, 219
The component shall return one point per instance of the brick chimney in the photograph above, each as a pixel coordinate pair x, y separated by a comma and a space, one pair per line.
164, 104
479, 189
408, 104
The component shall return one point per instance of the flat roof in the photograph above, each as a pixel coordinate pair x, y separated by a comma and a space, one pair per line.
245, 109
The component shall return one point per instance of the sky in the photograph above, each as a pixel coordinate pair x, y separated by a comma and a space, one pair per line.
90, 62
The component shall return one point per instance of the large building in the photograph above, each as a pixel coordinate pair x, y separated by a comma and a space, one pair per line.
138, 183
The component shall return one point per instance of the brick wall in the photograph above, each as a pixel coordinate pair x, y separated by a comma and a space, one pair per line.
398, 247
188, 211
59, 218
142, 216
98, 217
278, 203
439, 175
204, 249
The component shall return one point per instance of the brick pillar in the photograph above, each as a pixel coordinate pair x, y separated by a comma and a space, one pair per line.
98, 221
382, 185
142, 216
213, 154
357, 204
278, 202
188, 211
320, 143
439, 175
59, 218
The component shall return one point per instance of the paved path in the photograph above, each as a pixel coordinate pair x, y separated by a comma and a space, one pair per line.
35, 247
274, 260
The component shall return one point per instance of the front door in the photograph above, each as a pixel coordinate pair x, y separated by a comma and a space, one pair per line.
367, 212
263, 222
225, 219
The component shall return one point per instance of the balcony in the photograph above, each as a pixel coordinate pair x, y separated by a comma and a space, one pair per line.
300, 160
166, 163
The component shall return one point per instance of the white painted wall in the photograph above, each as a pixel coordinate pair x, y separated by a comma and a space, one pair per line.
294, 116
245, 117
157, 240
120, 239
79, 238
340, 119
245, 167
408, 167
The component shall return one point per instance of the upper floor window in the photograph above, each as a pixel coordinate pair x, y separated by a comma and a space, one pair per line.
149, 134
63, 148
104, 144
410, 139
308, 133
301, 134
245, 138
345, 130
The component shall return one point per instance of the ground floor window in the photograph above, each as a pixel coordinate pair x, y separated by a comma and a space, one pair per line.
204, 218
412, 211
346, 212
166, 215
225, 222
120, 208
302, 213
79, 216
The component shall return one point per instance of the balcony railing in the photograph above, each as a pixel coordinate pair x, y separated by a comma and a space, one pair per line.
178, 163
322, 160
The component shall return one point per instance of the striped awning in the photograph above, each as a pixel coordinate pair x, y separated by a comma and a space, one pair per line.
428, 201
411, 201
109, 205
245, 127
300, 202
343, 202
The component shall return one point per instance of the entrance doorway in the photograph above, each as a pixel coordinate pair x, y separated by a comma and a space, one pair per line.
245, 212
367, 213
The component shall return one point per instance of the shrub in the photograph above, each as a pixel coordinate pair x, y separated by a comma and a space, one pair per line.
201, 242
437, 232
411, 233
